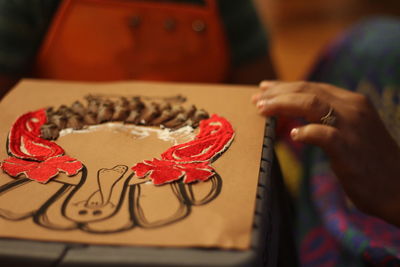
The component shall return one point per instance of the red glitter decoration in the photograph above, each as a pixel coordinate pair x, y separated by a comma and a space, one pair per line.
190, 161
24, 140
164, 171
38, 159
41, 171
215, 135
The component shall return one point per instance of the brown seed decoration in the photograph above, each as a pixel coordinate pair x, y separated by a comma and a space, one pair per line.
120, 113
165, 116
75, 122
93, 104
59, 120
199, 115
106, 112
136, 104
190, 111
164, 106
176, 109
64, 110
177, 122
49, 131
133, 117
49, 112
90, 118
78, 108
149, 113
122, 101
128, 110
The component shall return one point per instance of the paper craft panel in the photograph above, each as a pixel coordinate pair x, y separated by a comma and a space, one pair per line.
112, 198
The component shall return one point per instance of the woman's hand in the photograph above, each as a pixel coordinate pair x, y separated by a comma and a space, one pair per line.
362, 153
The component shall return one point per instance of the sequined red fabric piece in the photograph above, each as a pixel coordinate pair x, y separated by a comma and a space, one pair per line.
192, 160
24, 140
215, 135
164, 171
41, 171
38, 159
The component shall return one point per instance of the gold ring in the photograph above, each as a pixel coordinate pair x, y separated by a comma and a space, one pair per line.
329, 118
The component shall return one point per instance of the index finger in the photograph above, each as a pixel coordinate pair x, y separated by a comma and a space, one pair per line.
307, 106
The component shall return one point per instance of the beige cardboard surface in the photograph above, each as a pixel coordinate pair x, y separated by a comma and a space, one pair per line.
223, 222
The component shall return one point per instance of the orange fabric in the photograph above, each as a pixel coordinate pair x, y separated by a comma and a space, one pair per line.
104, 40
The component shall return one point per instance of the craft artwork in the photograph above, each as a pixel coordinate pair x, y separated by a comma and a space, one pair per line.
35, 157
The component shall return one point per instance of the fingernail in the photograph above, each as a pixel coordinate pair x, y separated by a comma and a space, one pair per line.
294, 133
266, 83
261, 103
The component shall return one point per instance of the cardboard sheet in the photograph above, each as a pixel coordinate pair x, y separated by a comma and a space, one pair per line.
220, 212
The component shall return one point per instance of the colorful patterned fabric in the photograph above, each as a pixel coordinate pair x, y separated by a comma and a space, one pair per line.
331, 231
23, 24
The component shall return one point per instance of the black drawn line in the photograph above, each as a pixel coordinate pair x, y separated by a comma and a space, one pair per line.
8, 187
184, 194
214, 192
41, 218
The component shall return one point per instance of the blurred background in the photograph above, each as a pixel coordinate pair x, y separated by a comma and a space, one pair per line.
298, 32
300, 29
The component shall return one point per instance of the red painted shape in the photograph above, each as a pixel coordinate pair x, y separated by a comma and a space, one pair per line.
201, 171
192, 160
160, 171
41, 171
24, 140
214, 137
163, 171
